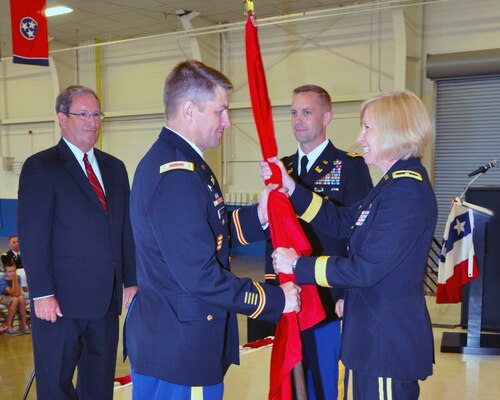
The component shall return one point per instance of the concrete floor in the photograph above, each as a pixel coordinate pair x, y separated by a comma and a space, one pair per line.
456, 376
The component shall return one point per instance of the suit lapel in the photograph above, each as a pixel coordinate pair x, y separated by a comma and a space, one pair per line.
75, 170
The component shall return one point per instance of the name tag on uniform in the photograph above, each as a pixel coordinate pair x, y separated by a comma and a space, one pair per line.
222, 212
362, 218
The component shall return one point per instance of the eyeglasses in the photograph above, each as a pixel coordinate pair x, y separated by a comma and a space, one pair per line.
86, 115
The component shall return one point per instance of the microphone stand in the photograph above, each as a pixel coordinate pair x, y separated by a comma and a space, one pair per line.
470, 183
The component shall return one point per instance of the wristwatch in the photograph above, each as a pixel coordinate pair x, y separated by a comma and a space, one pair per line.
294, 264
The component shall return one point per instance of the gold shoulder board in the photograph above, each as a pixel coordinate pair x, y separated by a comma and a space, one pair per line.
353, 154
185, 165
405, 173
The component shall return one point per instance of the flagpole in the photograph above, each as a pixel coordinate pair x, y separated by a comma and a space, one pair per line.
298, 369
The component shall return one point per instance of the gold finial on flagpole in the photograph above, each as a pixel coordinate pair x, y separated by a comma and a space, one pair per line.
248, 7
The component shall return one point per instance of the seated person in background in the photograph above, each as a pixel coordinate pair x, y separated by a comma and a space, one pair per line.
7, 258
11, 296
14, 253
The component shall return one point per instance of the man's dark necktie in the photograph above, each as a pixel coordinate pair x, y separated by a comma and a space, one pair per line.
94, 182
303, 168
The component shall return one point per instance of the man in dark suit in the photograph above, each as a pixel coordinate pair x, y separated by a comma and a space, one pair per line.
181, 330
343, 178
15, 253
78, 252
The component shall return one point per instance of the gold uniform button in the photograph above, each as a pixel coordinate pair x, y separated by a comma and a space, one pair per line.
210, 317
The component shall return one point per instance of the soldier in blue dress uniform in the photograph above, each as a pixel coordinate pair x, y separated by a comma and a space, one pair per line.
181, 331
343, 178
387, 340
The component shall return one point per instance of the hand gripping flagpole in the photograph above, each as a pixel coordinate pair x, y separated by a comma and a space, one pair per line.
285, 232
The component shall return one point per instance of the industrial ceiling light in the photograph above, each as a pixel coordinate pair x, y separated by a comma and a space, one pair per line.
58, 10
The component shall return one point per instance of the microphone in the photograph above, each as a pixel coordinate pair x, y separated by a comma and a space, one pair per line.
484, 168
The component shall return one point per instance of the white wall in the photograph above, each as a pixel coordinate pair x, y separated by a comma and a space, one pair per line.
352, 56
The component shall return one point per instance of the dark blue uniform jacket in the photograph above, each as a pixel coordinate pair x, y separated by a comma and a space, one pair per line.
182, 326
342, 178
387, 330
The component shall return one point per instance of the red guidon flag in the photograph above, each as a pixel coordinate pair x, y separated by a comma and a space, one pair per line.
29, 32
285, 230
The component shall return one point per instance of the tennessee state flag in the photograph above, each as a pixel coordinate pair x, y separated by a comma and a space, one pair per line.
457, 262
29, 32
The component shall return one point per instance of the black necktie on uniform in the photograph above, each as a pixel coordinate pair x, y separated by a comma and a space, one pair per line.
303, 167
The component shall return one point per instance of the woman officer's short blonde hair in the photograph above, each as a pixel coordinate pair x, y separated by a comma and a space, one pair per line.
403, 124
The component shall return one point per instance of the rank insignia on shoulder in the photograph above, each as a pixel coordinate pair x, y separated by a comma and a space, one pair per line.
325, 162
405, 173
318, 169
353, 154
185, 165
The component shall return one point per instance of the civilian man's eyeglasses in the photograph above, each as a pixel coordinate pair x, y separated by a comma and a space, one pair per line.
86, 115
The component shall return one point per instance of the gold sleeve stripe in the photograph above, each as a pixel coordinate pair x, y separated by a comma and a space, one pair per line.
262, 302
313, 208
246, 298
237, 225
270, 276
320, 271
196, 392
